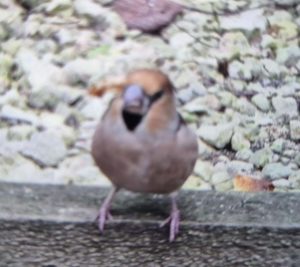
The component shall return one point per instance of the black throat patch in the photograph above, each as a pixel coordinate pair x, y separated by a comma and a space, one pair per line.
132, 120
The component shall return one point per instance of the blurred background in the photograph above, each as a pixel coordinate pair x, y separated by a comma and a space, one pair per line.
235, 65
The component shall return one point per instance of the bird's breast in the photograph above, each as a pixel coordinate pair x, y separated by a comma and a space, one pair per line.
141, 163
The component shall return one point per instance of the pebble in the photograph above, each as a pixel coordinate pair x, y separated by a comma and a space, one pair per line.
261, 102
295, 129
216, 135
288, 56
40, 74
82, 70
203, 169
275, 171
13, 114
247, 21
294, 179
239, 167
239, 142
261, 157
278, 145
45, 148
285, 106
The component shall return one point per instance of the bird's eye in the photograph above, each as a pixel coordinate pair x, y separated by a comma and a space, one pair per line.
153, 98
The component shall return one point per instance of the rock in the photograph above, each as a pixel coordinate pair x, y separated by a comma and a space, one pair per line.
275, 171
3, 33
278, 145
222, 181
65, 37
245, 107
31, 3
185, 95
94, 109
237, 70
261, 102
216, 135
270, 68
55, 6
286, 2
40, 74
204, 169
268, 41
248, 70
204, 149
283, 27
43, 99
261, 157
181, 39
90, 9
239, 142
80, 170
45, 148
227, 99
220, 177
20, 132
297, 159
203, 104
147, 16
239, 167
6, 64
54, 123
294, 179
246, 21
46, 47
282, 184
285, 106
288, 56
13, 114
16, 168
82, 70
194, 182
295, 129
12, 97
289, 89
244, 154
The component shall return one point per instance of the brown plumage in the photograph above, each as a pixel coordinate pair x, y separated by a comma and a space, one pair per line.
142, 144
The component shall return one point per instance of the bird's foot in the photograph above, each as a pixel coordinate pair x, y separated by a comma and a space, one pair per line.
173, 220
104, 212
103, 216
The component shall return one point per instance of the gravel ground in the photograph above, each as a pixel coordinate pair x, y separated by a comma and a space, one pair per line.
236, 67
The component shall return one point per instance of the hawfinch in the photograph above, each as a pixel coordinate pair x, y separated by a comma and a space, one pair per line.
142, 144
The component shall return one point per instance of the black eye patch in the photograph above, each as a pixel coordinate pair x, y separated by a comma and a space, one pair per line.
153, 98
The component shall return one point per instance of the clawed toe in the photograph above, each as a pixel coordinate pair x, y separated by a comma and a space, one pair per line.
104, 212
173, 220
104, 215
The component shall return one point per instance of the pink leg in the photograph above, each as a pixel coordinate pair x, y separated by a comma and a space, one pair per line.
173, 219
104, 213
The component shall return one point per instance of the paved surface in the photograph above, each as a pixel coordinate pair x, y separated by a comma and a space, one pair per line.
54, 226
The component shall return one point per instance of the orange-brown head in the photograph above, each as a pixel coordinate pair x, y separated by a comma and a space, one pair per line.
147, 92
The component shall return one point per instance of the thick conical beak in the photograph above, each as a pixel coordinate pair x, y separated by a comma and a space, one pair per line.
133, 98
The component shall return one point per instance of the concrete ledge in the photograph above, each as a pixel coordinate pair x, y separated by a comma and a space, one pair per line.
54, 226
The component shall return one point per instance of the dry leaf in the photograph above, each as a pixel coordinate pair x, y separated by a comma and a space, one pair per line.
114, 85
248, 184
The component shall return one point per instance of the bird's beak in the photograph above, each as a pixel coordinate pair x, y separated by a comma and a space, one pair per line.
134, 99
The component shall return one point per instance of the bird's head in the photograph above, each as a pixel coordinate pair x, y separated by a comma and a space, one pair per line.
144, 90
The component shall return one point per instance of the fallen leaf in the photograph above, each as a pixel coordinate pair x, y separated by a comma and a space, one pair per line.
249, 184
113, 84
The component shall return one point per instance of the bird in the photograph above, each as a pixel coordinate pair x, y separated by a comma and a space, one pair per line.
143, 145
